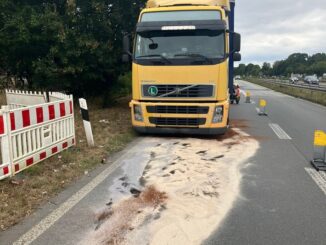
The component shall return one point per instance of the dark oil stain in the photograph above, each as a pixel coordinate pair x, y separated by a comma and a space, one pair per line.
217, 157
153, 154
142, 181
162, 208
135, 192
157, 216
201, 152
125, 184
123, 178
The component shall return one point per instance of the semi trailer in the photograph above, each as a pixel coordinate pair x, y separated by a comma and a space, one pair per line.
182, 66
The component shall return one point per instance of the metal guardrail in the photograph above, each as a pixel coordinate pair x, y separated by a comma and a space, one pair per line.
320, 87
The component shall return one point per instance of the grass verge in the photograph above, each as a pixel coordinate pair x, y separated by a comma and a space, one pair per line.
315, 96
24, 193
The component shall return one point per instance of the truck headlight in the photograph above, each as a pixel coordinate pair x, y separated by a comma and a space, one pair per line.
138, 115
218, 114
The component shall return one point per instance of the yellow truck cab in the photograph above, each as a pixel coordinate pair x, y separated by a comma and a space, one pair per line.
180, 67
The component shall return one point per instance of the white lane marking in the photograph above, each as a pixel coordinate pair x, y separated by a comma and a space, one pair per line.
281, 134
323, 174
49, 220
318, 177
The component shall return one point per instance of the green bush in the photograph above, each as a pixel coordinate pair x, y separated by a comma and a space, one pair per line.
73, 46
120, 89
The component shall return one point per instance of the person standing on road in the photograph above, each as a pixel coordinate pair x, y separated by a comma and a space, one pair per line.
237, 91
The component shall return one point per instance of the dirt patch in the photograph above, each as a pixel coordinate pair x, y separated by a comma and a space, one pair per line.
201, 188
152, 197
234, 133
119, 219
239, 123
201, 181
38, 184
230, 133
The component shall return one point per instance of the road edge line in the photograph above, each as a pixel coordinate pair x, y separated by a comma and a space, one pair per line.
38, 229
281, 134
317, 178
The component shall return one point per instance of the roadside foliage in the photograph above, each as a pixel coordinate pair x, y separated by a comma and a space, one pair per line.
298, 63
70, 45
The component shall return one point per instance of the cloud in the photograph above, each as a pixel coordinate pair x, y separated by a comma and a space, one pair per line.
273, 29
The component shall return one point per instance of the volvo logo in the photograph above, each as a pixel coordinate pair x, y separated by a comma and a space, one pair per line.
152, 90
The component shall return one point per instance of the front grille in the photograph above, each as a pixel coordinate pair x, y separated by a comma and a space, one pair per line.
178, 91
178, 109
168, 121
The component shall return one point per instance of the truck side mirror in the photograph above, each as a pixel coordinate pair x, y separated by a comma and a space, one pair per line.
126, 49
236, 56
237, 42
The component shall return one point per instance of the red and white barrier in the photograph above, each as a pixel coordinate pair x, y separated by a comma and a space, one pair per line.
55, 96
33, 133
5, 164
18, 99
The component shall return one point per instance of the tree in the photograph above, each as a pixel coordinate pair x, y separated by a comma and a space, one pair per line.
72, 45
279, 68
252, 70
266, 69
318, 68
240, 70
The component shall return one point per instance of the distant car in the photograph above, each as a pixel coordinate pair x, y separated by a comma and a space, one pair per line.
294, 80
311, 80
237, 77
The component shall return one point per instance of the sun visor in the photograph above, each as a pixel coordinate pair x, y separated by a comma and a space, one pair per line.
181, 25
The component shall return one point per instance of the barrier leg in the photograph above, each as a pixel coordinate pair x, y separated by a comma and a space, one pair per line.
6, 146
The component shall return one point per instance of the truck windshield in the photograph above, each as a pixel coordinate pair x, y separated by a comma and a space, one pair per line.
206, 46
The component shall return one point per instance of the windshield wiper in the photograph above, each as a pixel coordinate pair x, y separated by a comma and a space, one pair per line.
194, 55
155, 55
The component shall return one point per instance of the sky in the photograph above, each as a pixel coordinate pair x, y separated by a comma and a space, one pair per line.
273, 29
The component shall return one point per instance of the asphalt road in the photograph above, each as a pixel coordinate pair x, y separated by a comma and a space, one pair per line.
280, 203
282, 199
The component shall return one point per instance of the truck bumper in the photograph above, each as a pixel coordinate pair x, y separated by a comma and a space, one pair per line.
178, 117
190, 131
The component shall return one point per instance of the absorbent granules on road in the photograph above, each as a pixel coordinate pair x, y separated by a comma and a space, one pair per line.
189, 186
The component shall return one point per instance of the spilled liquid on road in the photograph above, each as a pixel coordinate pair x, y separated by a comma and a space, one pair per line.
186, 189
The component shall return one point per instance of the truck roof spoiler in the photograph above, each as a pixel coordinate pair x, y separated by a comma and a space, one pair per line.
169, 3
